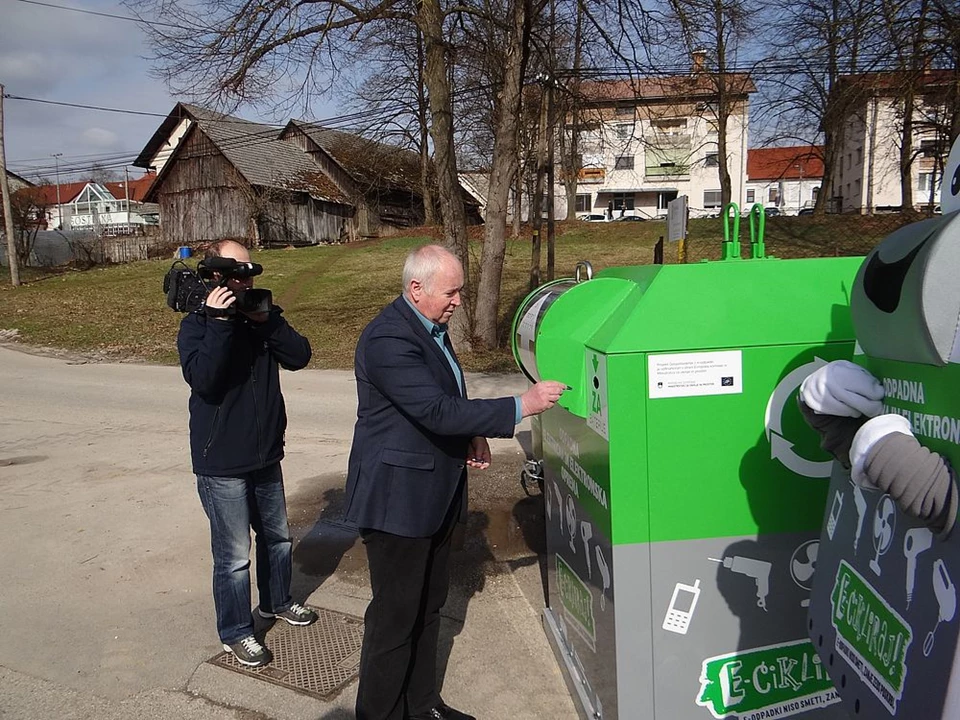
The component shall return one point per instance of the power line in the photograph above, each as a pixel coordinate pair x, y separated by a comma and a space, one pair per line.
82, 106
102, 14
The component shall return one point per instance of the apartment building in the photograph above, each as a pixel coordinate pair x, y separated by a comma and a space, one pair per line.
866, 177
643, 142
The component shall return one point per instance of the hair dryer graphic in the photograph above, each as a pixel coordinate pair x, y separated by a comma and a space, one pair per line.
586, 532
759, 570
915, 541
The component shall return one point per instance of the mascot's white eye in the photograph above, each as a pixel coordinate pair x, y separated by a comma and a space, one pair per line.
950, 189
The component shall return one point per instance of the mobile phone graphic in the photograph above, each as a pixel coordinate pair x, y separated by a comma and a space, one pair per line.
834, 513
677, 619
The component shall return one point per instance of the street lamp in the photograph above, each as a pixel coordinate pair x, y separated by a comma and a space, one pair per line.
56, 160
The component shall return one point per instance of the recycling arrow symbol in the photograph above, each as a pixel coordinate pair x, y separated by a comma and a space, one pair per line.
780, 448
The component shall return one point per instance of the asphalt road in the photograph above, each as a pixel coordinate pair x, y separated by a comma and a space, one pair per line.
105, 592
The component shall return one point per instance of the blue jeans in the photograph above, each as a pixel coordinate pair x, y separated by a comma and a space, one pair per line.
234, 505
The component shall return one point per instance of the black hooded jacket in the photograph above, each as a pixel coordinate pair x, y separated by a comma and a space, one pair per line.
237, 414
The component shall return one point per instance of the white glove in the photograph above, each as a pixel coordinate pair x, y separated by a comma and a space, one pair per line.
869, 434
842, 388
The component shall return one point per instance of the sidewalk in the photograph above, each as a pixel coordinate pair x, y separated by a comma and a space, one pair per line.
106, 594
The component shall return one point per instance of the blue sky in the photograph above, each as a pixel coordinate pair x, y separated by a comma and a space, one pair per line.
73, 57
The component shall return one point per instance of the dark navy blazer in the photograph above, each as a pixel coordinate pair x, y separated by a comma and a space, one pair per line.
413, 427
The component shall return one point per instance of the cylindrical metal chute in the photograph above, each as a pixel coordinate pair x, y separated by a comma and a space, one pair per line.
527, 320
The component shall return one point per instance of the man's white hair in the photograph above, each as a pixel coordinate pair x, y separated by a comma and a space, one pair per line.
423, 264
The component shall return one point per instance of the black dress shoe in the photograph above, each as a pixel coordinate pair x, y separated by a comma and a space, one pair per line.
442, 712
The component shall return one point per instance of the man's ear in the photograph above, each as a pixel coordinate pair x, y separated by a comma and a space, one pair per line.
416, 290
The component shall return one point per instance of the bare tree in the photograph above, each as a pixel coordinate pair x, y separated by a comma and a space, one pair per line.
712, 31
830, 44
238, 51
390, 99
27, 210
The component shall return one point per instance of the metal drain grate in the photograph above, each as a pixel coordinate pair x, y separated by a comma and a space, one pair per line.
317, 660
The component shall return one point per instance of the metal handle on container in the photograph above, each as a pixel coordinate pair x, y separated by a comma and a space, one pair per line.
587, 268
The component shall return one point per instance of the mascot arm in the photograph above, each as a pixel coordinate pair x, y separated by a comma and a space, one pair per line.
920, 481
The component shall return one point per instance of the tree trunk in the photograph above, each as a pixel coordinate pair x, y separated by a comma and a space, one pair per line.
502, 172
723, 107
906, 153
430, 22
426, 176
536, 201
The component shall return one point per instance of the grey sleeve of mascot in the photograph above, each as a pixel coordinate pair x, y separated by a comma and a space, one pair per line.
921, 482
836, 432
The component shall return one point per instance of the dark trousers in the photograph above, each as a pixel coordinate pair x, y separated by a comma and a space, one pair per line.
398, 661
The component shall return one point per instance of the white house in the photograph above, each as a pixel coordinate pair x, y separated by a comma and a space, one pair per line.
112, 208
787, 178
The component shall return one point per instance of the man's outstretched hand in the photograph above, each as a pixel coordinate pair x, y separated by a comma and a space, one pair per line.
541, 397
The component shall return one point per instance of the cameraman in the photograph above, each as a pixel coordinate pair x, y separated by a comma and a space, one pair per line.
230, 360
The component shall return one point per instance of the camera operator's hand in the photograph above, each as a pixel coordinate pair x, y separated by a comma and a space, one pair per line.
220, 298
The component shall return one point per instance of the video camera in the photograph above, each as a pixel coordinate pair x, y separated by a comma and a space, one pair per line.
187, 289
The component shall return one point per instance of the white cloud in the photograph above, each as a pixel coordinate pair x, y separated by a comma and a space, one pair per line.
99, 137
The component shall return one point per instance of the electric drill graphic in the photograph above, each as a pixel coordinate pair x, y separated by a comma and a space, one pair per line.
759, 570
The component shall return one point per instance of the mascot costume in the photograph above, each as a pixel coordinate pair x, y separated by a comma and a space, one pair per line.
883, 609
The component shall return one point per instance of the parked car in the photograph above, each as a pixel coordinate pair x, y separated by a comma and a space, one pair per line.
592, 217
772, 211
805, 211
631, 218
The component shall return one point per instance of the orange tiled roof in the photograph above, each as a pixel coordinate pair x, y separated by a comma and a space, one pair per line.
785, 163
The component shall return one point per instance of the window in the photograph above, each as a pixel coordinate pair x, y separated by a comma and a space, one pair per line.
859, 155
924, 181
669, 157
624, 162
816, 194
711, 198
675, 126
623, 201
751, 196
928, 148
583, 203
773, 196
712, 160
622, 110
624, 131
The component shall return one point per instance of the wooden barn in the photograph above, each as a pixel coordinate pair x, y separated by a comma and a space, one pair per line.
219, 176
382, 181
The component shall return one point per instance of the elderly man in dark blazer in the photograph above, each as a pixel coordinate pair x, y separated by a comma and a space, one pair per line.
416, 434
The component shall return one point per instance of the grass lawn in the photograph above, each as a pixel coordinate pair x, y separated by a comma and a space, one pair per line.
329, 293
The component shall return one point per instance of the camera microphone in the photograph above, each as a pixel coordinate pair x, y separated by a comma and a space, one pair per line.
229, 267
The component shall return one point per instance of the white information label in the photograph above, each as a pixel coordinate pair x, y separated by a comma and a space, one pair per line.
691, 374
596, 367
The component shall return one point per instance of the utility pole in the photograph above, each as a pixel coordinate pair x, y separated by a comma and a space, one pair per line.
551, 140
126, 192
7, 209
56, 160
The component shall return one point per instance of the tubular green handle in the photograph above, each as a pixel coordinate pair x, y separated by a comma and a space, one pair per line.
731, 248
758, 219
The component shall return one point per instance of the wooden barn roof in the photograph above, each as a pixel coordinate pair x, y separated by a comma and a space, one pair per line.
369, 163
